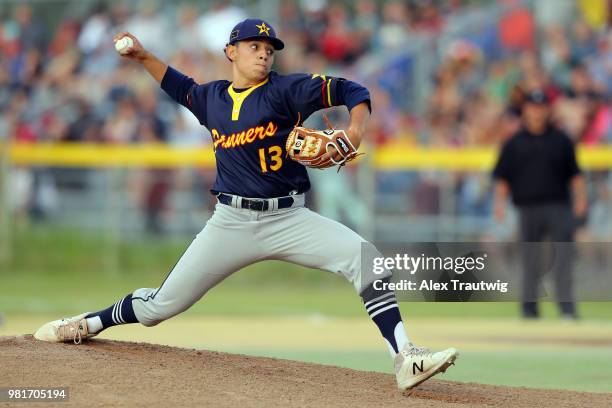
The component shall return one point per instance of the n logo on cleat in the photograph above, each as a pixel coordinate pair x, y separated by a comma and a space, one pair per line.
416, 367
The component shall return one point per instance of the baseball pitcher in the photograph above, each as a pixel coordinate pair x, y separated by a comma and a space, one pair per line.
261, 152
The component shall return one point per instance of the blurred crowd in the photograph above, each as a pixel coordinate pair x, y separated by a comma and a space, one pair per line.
66, 83
573, 64
441, 73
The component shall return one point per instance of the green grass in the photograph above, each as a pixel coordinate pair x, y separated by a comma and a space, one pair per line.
39, 292
568, 369
61, 270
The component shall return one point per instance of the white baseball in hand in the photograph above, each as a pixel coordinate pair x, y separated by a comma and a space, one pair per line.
123, 45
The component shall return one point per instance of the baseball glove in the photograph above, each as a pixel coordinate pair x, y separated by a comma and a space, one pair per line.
309, 147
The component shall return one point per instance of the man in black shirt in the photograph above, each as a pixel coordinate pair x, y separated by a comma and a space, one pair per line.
537, 167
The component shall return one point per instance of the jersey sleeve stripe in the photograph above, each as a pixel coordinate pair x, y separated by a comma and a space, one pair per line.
329, 102
333, 92
323, 93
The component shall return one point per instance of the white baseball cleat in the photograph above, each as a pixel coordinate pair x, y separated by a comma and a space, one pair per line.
71, 329
413, 365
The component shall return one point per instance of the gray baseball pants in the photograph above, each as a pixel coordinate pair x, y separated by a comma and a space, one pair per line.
234, 238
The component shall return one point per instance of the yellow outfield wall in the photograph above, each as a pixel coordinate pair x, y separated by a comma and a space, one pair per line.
384, 158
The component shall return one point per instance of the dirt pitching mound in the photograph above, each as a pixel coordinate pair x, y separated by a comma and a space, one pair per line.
113, 373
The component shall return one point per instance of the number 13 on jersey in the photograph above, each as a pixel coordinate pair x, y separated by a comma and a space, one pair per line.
273, 156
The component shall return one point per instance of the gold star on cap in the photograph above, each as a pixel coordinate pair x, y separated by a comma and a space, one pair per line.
263, 28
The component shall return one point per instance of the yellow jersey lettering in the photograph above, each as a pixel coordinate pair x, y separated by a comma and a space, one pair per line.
276, 154
241, 139
259, 131
271, 129
250, 136
244, 137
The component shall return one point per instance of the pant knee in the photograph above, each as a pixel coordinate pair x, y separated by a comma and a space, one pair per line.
358, 266
151, 307
368, 271
153, 315
347, 260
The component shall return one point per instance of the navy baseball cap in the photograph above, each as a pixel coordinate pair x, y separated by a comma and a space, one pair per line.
255, 28
537, 96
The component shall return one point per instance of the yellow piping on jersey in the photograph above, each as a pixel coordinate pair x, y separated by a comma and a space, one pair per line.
328, 93
238, 98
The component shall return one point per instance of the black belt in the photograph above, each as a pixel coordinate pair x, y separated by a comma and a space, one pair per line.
256, 204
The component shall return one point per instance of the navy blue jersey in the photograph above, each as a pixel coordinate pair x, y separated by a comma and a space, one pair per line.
249, 127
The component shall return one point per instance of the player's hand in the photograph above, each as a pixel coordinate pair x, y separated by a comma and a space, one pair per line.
136, 52
325, 161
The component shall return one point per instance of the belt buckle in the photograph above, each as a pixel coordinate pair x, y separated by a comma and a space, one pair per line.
256, 205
